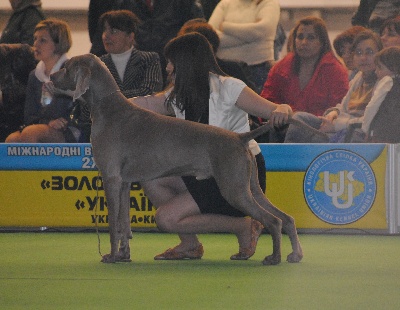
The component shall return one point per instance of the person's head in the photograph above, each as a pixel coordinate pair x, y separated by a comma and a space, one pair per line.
52, 38
119, 28
387, 62
310, 38
366, 44
201, 26
18, 4
190, 60
343, 43
191, 57
390, 32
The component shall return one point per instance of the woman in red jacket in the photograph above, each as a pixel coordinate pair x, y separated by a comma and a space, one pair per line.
310, 78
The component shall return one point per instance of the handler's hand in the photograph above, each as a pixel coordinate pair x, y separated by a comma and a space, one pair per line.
280, 115
327, 124
59, 123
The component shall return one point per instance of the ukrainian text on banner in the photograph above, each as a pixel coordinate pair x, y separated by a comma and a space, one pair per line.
58, 185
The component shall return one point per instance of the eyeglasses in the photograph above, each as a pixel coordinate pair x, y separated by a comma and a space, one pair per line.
367, 52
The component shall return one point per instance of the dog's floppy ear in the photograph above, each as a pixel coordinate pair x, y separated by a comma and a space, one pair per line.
82, 80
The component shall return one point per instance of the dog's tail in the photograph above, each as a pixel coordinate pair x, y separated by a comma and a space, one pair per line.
247, 136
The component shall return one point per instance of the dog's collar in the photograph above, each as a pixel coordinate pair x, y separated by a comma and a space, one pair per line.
109, 94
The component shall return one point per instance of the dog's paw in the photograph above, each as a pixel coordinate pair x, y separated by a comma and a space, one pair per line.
108, 259
294, 257
272, 260
123, 257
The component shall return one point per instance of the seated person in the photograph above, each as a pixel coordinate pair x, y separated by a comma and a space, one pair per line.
16, 62
335, 120
310, 78
390, 33
342, 45
47, 115
26, 15
381, 118
137, 73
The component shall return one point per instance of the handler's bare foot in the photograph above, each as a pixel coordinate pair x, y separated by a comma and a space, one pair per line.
182, 251
248, 240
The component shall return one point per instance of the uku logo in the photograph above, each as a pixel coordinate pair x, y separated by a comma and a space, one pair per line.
339, 187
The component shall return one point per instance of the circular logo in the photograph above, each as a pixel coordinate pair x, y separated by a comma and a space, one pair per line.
339, 187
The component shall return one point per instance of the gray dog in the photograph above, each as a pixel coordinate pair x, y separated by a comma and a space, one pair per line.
124, 136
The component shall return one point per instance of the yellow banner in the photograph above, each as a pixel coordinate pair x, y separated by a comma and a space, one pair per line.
63, 199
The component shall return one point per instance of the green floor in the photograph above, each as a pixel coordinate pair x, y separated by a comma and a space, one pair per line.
63, 271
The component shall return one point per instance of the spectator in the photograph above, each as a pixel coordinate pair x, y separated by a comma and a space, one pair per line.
247, 30
96, 9
335, 120
16, 62
47, 114
381, 118
26, 14
343, 43
390, 32
372, 13
160, 22
310, 78
137, 73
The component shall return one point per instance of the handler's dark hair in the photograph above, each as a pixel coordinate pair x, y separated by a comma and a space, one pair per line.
193, 60
123, 20
201, 26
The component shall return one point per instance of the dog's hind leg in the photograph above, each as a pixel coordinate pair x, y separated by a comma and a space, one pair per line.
124, 225
245, 202
288, 223
114, 189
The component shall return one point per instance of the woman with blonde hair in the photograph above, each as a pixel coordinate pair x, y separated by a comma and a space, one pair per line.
46, 114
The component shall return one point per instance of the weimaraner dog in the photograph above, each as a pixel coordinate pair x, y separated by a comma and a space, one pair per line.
124, 136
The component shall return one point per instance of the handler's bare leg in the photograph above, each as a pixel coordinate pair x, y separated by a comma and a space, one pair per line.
177, 212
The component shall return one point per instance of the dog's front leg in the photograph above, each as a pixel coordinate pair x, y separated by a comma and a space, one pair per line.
124, 224
112, 189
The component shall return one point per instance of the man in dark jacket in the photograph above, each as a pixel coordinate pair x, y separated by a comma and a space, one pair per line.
21, 25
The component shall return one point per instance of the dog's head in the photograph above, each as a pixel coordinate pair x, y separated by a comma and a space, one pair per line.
75, 76
82, 73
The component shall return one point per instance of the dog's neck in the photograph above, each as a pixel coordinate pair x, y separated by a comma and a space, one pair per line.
109, 94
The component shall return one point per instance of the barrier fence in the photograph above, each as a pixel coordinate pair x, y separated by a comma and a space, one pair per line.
323, 186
